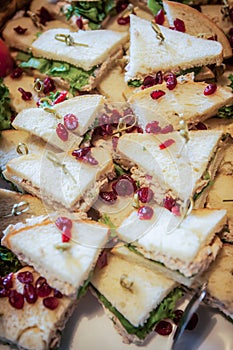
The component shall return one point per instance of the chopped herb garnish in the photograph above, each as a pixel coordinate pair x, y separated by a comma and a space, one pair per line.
135, 83
119, 170
225, 112
105, 219
5, 109
8, 262
231, 80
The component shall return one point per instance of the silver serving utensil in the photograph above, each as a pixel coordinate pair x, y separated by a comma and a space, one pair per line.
188, 312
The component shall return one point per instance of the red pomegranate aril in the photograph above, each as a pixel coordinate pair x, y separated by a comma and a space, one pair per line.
51, 303
102, 259
166, 144
115, 116
49, 85
171, 83
231, 14
153, 127
104, 119
123, 20
176, 210
79, 22
70, 121
159, 77
4, 292
169, 202
124, 186
81, 152
106, 130
40, 281
90, 159
61, 97
62, 222
25, 277
30, 293
179, 25
145, 194
115, 140
16, 73
156, 94
66, 234
109, 197
231, 31
169, 75
62, 132
231, 41
57, 294
193, 322
149, 80
210, 89
201, 126
7, 281
159, 17
177, 316
163, 328
20, 30
44, 15
167, 129
43, 290
16, 299
145, 213
121, 5
26, 95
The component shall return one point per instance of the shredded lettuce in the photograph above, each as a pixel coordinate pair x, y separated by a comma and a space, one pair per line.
135, 83
8, 262
231, 81
225, 112
5, 109
164, 310
154, 6
77, 77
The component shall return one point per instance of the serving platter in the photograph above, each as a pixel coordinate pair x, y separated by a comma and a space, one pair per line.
89, 328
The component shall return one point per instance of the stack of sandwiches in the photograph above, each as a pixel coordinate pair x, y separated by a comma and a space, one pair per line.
138, 267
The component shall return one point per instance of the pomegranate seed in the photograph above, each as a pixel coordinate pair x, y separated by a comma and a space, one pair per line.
49, 85
51, 303
178, 315
25, 277
85, 155
124, 186
29, 293
104, 119
79, 22
176, 210
210, 89
179, 25
102, 259
213, 37
26, 95
201, 126
230, 31
16, 73
134, 128
145, 213
231, 41
16, 299
169, 203
62, 222
57, 294
4, 292
110, 197
44, 15
42, 288
169, 75
167, 129
71, 121
66, 234
106, 130
62, 132
160, 18
123, 20
145, 194
115, 116
171, 83
193, 322
156, 94
7, 281
61, 97
231, 14
159, 77
163, 328
149, 80
153, 127
166, 144
20, 30
115, 140
121, 5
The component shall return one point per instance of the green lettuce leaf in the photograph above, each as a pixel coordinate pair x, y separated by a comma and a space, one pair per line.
225, 112
164, 310
154, 6
5, 109
135, 83
8, 262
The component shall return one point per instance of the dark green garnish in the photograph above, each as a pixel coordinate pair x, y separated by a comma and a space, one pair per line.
8, 262
105, 219
5, 109
135, 83
155, 6
231, 81
225, 112
119, 170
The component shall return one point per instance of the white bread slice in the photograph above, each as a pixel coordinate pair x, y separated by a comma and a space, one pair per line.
37, 243
196, 23
101, 45
43, 124
219, 277
187, 245
7, 201
34, 326
11, 139
24, 41
171, 167
147, 292
187, 100
178, 51
78, 182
